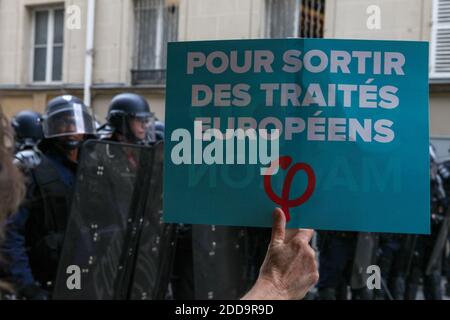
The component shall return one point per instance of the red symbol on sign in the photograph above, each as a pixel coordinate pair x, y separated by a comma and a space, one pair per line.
284, 162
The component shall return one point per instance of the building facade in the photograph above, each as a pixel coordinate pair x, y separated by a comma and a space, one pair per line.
417, 20
43, 42
43, 50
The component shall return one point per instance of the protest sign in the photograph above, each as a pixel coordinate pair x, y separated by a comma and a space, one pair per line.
335, 132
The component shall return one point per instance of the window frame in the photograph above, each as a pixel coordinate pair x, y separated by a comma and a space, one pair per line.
268, 12
49, 45
301, 9
433, 44
155, 71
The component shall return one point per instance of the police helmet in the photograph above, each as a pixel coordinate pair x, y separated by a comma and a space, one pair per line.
159, 130
126, 107
28, 130
67, 115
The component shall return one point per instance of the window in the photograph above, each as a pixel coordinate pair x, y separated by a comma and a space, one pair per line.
48, 42
156, 23
282, 18
440, 40
294, 18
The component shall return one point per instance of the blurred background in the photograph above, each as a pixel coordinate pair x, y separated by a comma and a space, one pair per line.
98, 48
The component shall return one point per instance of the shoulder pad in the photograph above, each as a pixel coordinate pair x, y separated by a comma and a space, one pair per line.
27, 159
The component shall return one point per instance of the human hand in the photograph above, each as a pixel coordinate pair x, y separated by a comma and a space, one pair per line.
290, 268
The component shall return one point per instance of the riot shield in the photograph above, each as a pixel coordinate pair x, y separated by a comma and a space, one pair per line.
220, 262
156, 244
407, 253
112, 208
439, 245
365, 252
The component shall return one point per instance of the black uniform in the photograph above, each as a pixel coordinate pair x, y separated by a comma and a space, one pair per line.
35, 234
424, 244
337, 251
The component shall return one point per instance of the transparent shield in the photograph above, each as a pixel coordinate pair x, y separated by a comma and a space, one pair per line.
365, 255
108, 216
156, 244
221, 263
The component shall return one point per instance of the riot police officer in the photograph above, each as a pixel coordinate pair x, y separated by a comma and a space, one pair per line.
392, 258
34, 235
420, 252
422, 266
159, 130
131, 119
337, 251
28, 131
132, 122
444, 172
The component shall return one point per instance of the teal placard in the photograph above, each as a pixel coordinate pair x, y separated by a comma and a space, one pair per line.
352, 119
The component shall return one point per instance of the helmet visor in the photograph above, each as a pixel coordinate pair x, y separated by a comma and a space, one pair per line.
73, 120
